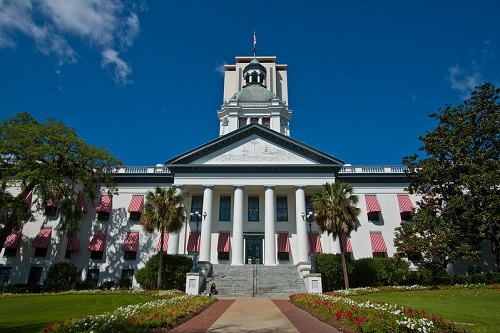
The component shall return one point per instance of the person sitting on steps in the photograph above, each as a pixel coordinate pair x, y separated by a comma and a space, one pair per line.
213, 289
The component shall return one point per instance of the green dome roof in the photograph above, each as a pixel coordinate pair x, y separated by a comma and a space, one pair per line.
253, 93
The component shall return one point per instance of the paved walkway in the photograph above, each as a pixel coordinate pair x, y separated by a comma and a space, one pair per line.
254, 314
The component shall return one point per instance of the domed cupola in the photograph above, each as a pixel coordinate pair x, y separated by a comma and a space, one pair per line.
255, 73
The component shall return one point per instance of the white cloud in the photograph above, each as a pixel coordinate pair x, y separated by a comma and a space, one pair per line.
464, 80
108, 25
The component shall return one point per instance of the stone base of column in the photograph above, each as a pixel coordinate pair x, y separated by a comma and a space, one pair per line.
193, 283
313, 283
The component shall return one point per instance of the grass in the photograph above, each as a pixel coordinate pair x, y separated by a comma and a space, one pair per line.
33, 313
475, 309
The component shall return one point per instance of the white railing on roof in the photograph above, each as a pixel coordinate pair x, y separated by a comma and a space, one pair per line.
142, 169
373, 169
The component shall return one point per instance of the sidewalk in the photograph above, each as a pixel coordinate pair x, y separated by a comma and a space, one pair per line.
254, 314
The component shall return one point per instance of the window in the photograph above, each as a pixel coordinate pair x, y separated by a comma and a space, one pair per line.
281, 208
130, 255
254, 120
93, 276
50, 211
223, 255
41, 252
253, 208
374, 216
242, 122
196, 206
283, 256
128, 274
35, 275
378, 254
266, 122
96, 255
67, 255
10, 251
225, 208
405, 216
309, 205
102, 216
4, 276
135, 216
135, 207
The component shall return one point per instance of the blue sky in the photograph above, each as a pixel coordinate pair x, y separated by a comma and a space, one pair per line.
144, 80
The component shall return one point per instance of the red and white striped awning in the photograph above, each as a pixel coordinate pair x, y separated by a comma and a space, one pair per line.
224, 242
378, 243
73, 244
193, 242
165, 242
29, 198
372, 204
131, 242
136, 204
405, 204
42, 240
98, 241
82, 205
104, 204
51, 202
346, 243
13, 239
315, 241
283, 242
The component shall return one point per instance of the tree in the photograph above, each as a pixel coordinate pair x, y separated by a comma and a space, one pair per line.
459, 180
336, 213
61, 276
163, 211
173, 272
51, 160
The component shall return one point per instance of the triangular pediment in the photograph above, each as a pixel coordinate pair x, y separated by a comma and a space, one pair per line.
254, 147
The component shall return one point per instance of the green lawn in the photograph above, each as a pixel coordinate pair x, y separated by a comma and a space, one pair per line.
33, 313
476, 309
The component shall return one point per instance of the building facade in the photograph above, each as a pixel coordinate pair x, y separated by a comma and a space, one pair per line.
247, 197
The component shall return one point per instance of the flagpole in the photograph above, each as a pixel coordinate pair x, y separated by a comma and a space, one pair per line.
254, 44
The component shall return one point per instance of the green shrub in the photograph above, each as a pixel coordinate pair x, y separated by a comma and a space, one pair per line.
330, 267
61, 276
369, 272
174, 269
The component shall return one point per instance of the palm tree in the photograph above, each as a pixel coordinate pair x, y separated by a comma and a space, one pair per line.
336, 213
163, 211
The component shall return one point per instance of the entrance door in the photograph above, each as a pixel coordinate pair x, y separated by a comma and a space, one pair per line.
253, 251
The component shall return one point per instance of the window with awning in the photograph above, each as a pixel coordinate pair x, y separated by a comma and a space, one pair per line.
223, 246
346, 243
41, 242
12, 243
130, 245
314, 243
405, 207
135, 207
372, 208
193, 242
97, 245
82, 205
103, 208
283, 246
72, 246
165, 242
378, 244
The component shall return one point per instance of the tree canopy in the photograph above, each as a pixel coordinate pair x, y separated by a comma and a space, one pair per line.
336, 213
50, 159
458, 178
163, 211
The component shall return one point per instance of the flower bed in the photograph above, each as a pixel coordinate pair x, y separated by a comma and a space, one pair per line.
139, 317
371, 317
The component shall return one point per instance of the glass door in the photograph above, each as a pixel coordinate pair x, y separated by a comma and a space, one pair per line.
253, 251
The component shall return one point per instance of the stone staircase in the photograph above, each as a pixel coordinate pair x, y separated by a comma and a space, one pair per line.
255, 280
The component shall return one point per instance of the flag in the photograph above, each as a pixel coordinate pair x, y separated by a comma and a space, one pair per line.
254, 43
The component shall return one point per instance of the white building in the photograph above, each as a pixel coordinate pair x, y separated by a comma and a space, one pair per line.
251, 186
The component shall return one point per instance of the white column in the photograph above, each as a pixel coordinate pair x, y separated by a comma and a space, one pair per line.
269, 228
237, 244
173, 238
300, 209
206, 224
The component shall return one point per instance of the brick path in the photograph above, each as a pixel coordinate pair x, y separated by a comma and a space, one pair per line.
302, 321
